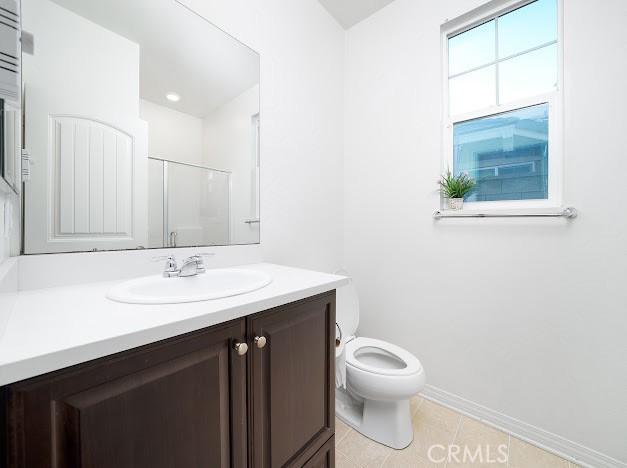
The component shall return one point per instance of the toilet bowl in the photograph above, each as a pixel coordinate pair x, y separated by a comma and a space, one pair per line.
380, 378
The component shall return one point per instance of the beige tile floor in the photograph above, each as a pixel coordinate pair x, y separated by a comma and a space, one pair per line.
435, 424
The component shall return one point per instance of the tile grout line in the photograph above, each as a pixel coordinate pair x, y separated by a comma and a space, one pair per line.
350, 429
509, 444
459, 425
345, 456
385, 459
349, 459
420, 403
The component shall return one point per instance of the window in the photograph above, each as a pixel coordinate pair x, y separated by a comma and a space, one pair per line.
503, 101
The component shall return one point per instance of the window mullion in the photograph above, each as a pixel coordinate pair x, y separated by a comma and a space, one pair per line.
504, 59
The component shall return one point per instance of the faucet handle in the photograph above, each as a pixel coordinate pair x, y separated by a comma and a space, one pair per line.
200, 264
170, 264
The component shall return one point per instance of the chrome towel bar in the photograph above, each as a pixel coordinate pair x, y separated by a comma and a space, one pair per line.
569, 213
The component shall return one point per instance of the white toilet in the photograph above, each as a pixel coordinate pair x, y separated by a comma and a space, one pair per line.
375, 379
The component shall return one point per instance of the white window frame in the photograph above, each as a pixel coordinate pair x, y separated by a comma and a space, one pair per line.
554, 100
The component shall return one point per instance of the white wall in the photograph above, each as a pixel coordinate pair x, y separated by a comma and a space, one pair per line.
525, 317
301, 50
155, 204
228, 136
172, 135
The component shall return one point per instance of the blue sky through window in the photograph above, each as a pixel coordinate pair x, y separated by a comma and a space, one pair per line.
527, 27
511, 57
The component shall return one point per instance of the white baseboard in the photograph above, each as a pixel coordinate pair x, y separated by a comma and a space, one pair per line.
548, 441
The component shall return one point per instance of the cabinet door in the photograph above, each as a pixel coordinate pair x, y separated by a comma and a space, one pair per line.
176, 403
292, 381
325, 457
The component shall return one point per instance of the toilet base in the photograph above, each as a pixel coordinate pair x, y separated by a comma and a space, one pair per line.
386, 422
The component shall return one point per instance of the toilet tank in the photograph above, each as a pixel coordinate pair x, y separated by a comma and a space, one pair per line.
347, 309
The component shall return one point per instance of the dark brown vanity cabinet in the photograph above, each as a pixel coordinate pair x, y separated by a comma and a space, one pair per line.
256, 392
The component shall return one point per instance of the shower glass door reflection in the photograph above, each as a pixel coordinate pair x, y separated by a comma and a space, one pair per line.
195, 205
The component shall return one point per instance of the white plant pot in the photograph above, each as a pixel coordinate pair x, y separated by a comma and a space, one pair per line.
455, 203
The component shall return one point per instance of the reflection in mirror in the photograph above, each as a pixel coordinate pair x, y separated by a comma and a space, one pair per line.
10, 145
10, 111
142, 121
187, 205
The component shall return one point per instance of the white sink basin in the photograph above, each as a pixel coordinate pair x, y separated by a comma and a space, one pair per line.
214, 284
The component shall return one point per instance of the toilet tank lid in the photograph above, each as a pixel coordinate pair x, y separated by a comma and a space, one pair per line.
347, 309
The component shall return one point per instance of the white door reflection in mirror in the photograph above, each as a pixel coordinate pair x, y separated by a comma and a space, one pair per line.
82, 142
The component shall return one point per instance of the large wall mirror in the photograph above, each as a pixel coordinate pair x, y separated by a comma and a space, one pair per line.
142, 122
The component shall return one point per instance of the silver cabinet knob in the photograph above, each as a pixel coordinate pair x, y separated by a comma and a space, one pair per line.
260, 341
241, 348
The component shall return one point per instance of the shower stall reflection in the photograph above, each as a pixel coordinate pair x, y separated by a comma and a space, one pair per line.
188, 205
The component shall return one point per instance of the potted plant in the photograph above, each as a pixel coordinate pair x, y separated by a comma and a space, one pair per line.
455, 188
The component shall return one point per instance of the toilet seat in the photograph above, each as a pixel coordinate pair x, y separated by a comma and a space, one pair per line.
363, 354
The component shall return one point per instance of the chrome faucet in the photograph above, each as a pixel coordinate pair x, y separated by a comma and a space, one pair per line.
191, 266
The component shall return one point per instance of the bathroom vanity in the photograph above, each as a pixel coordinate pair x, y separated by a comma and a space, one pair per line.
254, 390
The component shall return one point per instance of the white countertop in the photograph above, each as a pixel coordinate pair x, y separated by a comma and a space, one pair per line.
48, 329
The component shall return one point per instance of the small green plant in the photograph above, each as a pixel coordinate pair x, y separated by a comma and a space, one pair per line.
456, 186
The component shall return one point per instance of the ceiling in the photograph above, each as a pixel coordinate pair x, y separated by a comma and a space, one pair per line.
179, 52
351, 12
